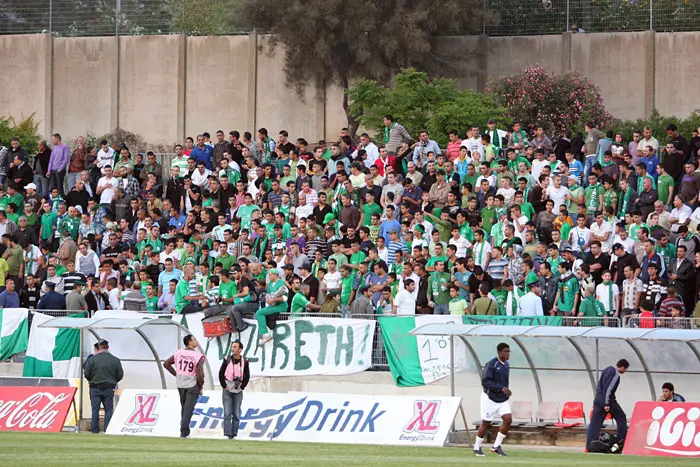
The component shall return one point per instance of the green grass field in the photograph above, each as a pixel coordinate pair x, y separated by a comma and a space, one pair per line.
22, 449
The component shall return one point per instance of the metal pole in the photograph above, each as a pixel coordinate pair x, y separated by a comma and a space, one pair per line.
651, 15
118, 11
82, 382
50, 16
597, 362
452, 366
568, 19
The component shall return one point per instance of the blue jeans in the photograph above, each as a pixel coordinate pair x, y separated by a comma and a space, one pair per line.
232, 411
188, 399
72, 178
587, 168
99, 397
42, 185
443, 309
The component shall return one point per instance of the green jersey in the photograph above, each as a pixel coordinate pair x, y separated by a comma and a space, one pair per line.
357, 258
435, 259
152, 304
664, 184
634, 229
226, 261
568, 289
528, 210
181, 291
592, 309
340, 259
299, 304
346, 289
367, 210
488, 216
501, 297
227, 290
466, 232
575, 191
438, 287
245, 213
668, 253
48, 223
593, 194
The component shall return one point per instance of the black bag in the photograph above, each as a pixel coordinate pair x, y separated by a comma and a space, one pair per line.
599, 446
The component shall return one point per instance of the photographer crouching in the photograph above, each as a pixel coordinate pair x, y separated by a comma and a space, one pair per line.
234, 375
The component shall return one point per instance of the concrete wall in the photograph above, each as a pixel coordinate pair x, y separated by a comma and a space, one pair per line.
168, 87
85, 85
25, 79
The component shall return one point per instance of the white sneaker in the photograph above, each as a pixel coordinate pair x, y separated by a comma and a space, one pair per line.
265, 339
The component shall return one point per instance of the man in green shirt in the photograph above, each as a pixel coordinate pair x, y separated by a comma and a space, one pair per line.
224, 258
245, 212
227, 288
369, 208
48, 223
593, 195
575, 196
301, 303
340, 259
500, 294
151, 298
430, 266
526, 208
347, 291
591, 309
184, 302
666, 186
357, 257
568, 293
438, 290
276, 300
442, 225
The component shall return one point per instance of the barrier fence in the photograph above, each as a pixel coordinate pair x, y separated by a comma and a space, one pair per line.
379, 359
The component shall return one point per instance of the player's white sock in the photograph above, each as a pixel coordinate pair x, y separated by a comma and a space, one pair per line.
499, 439
478, 443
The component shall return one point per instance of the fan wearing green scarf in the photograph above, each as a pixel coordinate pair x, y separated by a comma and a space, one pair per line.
594, 195
518, 139
608, 293
592, 310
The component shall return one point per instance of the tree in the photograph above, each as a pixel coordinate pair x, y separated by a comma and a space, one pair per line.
333, 42
557, 103
202, 17
419, 102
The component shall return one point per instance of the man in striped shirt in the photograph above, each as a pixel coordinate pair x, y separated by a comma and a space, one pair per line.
395, 244
70, 277
180, 160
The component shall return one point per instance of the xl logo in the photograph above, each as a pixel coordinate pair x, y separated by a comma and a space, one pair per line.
144, 413
423, 420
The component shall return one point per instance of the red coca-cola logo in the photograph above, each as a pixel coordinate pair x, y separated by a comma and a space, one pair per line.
34, 409
664, 429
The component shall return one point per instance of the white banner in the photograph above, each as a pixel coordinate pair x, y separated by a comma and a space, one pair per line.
303, 346
294, 416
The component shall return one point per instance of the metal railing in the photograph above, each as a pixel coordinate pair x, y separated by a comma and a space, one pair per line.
636, 321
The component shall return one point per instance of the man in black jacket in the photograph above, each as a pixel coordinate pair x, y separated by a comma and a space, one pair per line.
103, 371
234, 375
605, 401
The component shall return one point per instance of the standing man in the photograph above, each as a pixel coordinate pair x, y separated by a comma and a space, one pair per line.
189, 378
234, 375
60, 156
494, 399
103, 371
605, 402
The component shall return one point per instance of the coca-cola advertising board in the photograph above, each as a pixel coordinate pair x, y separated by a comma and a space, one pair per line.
664, 429
34, 408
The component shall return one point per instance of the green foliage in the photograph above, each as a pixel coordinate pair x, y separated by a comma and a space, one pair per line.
202, 17
535, 97
419, 102
658, 124
27, 131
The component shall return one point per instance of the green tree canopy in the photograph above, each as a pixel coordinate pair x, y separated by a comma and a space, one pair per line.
419, 102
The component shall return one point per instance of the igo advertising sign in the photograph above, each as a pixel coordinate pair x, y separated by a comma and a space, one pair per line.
664, 429
295, 416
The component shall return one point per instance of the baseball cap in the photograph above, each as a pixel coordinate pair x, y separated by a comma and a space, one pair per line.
31, 185
617, 246
103, 342
288, 266
306, 266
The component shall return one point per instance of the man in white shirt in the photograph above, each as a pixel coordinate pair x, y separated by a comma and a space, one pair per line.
200, 177
408, 274
474, 144
486, 174
370, 148
405, 302
557, 193
622, 238
519, 222
680, 215
531, 304
105, 156
602, 231
106, 185
481, 250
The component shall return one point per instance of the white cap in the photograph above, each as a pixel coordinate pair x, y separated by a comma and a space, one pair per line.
31, 185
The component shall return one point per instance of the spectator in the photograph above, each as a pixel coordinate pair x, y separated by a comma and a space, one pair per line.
103, 371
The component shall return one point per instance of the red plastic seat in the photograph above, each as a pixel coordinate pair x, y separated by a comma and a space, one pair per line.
571, 414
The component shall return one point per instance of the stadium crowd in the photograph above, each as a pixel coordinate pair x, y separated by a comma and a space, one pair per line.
500, 222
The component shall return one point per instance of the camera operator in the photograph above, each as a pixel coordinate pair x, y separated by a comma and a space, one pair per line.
234, 375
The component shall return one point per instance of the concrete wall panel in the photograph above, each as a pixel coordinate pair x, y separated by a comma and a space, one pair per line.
624, 84
217, 85
279, 107
85, 85
461, 61
151, 87
677, 73
25, 79
509, 55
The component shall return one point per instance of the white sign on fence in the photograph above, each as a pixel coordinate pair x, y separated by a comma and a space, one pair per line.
294, 416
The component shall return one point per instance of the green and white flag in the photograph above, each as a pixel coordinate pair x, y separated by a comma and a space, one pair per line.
52, 352
14, 331
419, 360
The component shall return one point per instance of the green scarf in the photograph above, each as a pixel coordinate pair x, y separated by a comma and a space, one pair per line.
623, 206
607, 164
387, 130
610, 296
520, 133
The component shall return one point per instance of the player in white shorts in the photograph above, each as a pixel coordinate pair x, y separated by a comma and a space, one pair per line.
495, 400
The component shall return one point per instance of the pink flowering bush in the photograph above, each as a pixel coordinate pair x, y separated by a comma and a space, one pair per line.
558, 103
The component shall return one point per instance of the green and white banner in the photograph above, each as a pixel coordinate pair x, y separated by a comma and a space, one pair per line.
419, 360
52, 352
14, 331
